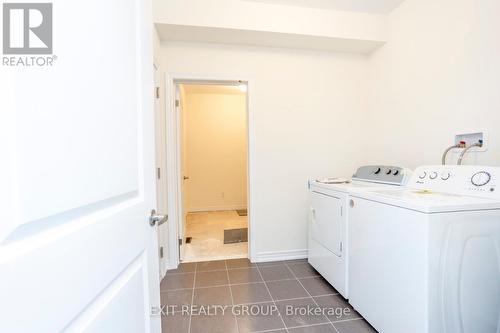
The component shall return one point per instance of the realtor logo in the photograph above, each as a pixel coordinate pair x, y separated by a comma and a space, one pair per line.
27, 28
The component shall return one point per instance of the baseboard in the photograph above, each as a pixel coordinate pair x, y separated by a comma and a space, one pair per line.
261, 257
168, 266
280, 255
239, 256
163, 272
215, 208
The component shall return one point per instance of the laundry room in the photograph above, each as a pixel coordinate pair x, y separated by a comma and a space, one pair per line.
234, 166
361, 96
392, 88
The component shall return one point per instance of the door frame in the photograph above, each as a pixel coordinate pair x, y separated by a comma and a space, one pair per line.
173, 166
159, 161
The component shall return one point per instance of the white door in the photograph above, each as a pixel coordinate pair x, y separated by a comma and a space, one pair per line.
326, 228
77, 176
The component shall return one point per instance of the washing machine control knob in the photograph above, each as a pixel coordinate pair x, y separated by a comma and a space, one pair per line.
481, 178
445, 175
377, 171
422, 175
433, 175
388, 172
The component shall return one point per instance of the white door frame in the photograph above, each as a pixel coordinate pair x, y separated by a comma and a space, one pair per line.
161, 206
172, 144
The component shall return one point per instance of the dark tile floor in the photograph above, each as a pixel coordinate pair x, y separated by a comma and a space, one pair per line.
236, 296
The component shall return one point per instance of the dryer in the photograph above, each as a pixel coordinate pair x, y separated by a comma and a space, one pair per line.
329, 227
426, 258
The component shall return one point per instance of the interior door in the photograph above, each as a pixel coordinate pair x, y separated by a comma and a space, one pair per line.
77, 252
327, 222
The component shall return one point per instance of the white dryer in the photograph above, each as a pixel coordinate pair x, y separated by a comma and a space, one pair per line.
426, 258
328, 228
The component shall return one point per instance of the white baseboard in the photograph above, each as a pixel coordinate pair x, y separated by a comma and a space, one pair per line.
280, 255
215, 208
165, 265
261, 257
168, 266
238, 256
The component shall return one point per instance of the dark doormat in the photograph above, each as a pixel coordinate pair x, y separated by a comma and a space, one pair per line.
235, 236
242, 212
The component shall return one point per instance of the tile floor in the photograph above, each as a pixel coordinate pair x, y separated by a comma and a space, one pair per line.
207, 232
263, 297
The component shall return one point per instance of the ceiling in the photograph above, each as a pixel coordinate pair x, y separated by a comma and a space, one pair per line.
365, 6
211, 89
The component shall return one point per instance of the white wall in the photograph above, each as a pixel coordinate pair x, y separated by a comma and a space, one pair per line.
255, 16
438, 74
305, 110
215, 150
317, 114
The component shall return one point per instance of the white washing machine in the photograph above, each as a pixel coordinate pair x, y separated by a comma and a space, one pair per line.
329, 227
426, 258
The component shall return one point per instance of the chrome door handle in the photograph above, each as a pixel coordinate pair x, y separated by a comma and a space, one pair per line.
157, 218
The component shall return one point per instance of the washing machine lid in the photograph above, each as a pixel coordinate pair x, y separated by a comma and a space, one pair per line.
428, 201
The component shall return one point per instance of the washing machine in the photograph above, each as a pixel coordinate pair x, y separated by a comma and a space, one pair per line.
426, 258
328, 245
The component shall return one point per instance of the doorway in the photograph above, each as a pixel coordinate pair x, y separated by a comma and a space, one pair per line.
213, 159
207, 126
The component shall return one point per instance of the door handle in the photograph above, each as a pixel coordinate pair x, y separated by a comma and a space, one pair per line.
157, 218
185, 177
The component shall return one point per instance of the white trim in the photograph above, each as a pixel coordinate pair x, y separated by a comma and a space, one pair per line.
173, 161
215, 208
168, 267
171, 174
280, 255
160, 158
236, 256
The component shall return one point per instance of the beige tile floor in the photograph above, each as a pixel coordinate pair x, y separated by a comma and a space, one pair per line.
207, 232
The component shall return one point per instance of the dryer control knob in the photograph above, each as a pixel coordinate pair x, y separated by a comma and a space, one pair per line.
422, 175
433, 175
481, 178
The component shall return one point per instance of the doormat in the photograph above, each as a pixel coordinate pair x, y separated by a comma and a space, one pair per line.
242, 212
232, 236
